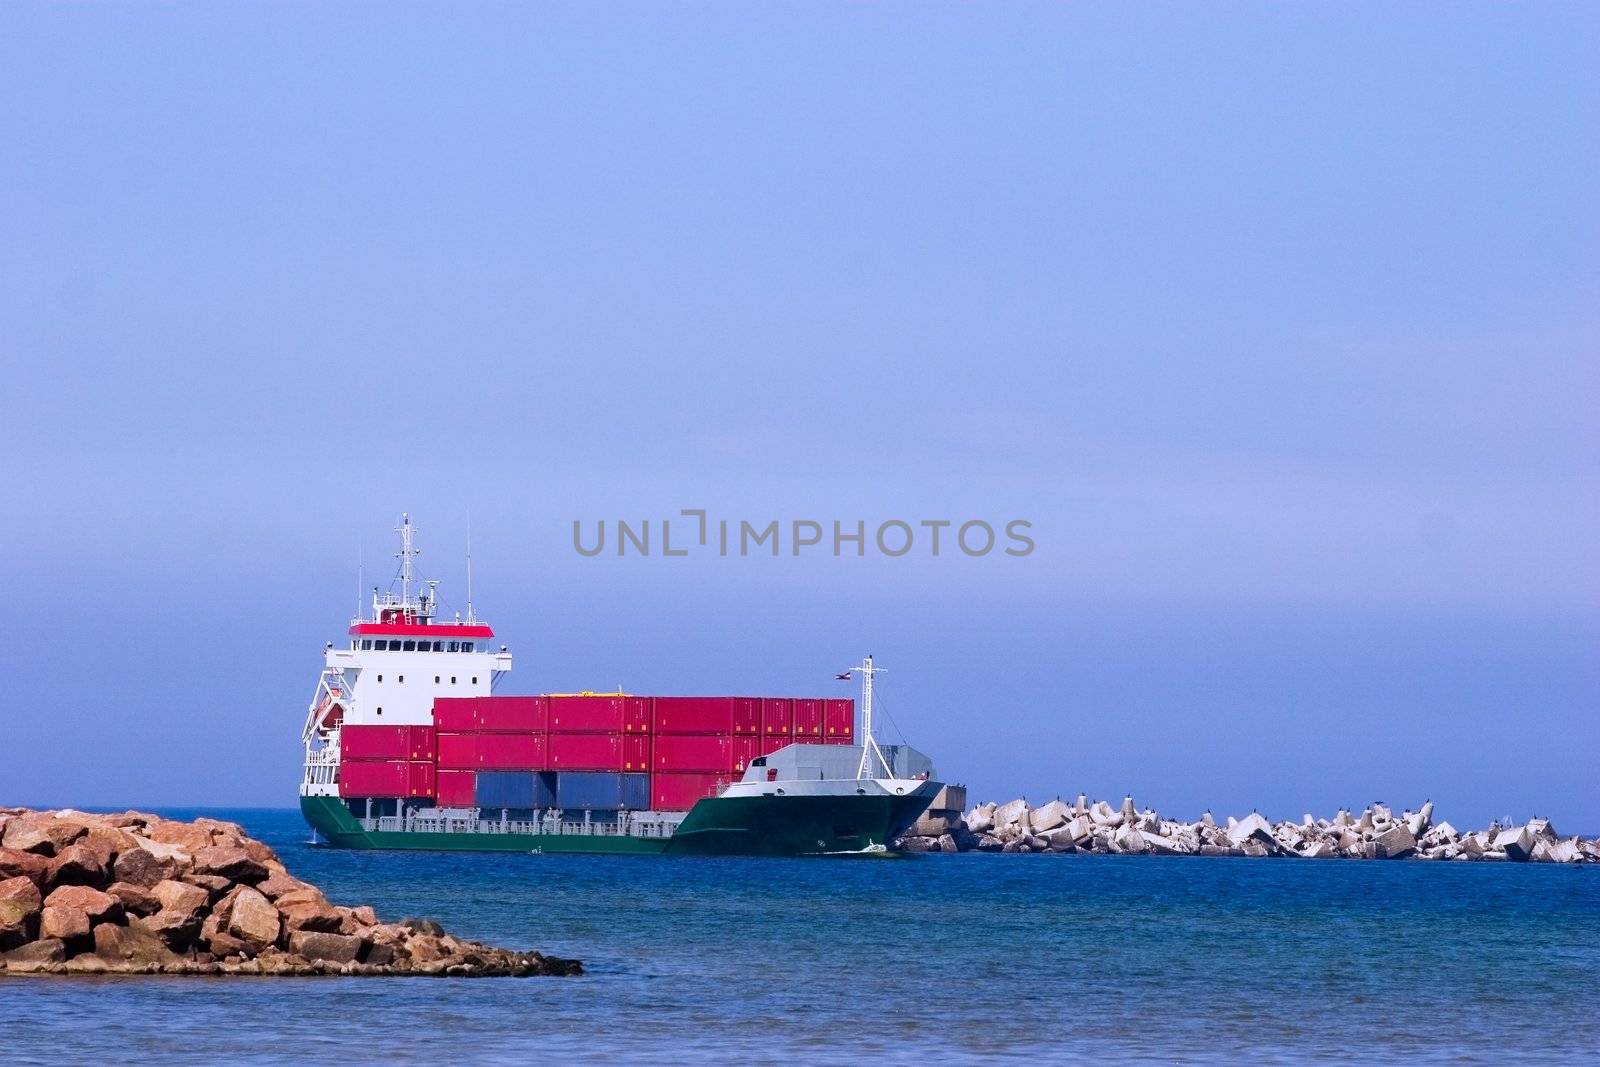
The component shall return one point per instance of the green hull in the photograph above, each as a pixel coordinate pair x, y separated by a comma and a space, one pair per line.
724, 826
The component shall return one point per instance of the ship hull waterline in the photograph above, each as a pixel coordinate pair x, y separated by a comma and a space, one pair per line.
721, 826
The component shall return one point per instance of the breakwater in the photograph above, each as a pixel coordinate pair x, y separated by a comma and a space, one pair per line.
1097, 827
138, 894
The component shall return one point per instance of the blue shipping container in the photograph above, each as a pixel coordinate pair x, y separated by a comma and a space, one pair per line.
588, 790
636, 791
513, 789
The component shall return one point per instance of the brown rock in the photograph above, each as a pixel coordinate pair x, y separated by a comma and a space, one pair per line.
223, 945
136, 899
308, 894
310, 916
23, 889
129, 944
63, 921
214, 884
37, 952
379, 955
181, 897
60, 831
176, 929
99, 907
31, 865
316, 945
229, 862
25, 837
189, 838
79, 864
140, 866
19, 921
253, 918
277, 884
365, 915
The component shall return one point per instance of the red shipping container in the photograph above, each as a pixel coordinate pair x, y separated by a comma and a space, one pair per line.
512, 752
419, 779
374, 742
636, 714
501, 752
585, 752
693, 715
692, 752
766, 746
457, 752
457, 789
807, 718
373, 778
679, 792
777, 717
385, 778
743, 750
839, 721
420, 741
512, 715
455, 714
635, 752
746, 716
599, 714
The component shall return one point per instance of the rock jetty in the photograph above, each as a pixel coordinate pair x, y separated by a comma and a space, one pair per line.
1377, 833
139, 894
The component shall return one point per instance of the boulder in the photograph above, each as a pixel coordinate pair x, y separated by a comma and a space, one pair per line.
25, 837
176, 929
334, 948
142, 867
1161, 846
1251, 827
34, 956
253, 919
1542, 828
1516, 843
979, 821
223, 945
946, 844
1128, 839
308, 916
99, 907
1255, 848
23, 889
989, 843
130, 948
64, 922
931, 825
1012, 813
1418, 824
182, 837
1563, 852
15, 862
229, 861
1048, 817
181, 897
19, 920
1394, 843
1318, 850
136, 899
214, 885
79, 863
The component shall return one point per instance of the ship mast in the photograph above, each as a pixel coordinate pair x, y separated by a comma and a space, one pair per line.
869, 743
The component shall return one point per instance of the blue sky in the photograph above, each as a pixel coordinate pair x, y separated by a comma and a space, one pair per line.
1278, 323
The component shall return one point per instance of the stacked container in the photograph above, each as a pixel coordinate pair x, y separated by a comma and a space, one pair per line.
598, 754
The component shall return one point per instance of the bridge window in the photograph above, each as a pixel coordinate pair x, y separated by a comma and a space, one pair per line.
452, 679
474, 679
402, 679
466, 646
366, 646
411, 646
455, 646
380, 711
438, 646
380, 677
436, 679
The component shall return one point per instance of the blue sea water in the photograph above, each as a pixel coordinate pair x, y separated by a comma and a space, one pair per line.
965, 958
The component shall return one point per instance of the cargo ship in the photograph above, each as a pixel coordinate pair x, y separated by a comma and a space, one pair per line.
408, 746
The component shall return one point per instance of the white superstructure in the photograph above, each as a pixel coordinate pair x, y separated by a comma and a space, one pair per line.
392, 667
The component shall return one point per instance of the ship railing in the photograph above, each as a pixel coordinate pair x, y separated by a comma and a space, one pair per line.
566, 827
